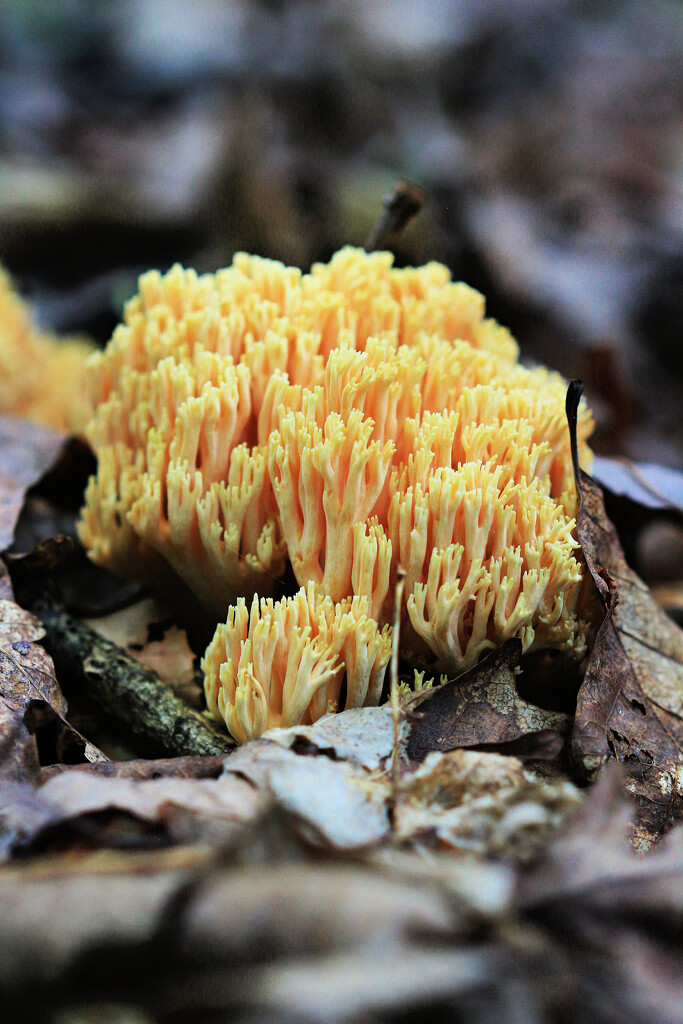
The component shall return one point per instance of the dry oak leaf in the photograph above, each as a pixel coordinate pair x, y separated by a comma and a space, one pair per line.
126, 812
26, 674
483, 805
630, 704
27, 451
148, 633
590, 863
481, 708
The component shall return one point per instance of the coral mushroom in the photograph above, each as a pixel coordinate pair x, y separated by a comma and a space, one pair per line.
336, 470
199, 496
283, 662
42, 378
346, 421
484, 562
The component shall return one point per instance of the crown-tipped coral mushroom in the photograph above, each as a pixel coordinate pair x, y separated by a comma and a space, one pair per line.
484, 562
283, 662
350, 420
326, 481
200, 497
41, 377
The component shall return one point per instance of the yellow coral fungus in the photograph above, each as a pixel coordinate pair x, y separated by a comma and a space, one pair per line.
42, 378
283, 662
325, 482
200, 497
348, 421
484, 562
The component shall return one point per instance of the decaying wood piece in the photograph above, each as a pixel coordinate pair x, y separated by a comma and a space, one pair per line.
127, 690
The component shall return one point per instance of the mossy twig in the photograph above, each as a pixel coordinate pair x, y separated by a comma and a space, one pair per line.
126, 689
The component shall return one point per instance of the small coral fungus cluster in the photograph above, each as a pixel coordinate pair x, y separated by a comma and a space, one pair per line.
348, 421
42, 378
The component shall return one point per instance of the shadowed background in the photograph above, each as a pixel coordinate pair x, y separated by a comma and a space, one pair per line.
547, 136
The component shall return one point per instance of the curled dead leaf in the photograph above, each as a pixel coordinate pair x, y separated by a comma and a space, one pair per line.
482, 709
630, 704
27, 674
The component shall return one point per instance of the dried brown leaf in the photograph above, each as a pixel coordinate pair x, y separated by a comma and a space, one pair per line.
159, 768
26, 669
27, 674
590, 861
80, 793
630, 704
18, 750
27, 452
101, 812
146, 631
482, 804
482, 709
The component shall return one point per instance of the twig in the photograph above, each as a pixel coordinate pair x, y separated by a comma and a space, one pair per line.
400, 207
126, 689
395, 704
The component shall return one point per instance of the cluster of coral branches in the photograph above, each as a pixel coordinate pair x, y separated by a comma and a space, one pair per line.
42, 378
347, 421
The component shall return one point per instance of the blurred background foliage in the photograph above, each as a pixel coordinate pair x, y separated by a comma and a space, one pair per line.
546, 134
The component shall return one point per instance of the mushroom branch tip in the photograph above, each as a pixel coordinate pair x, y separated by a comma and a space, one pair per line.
336, 424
